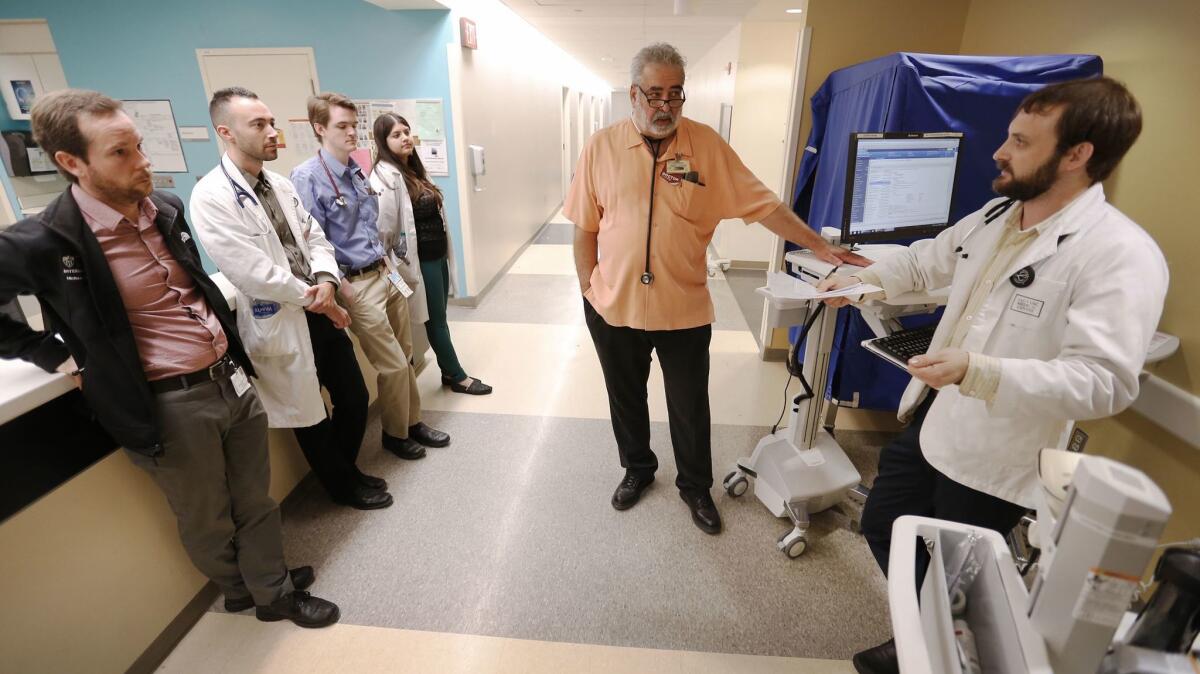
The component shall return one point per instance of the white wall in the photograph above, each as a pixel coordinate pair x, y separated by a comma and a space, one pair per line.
507, 97
761, 103
710, 80
620, 106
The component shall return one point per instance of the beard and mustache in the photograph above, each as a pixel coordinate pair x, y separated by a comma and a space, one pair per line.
1029, 187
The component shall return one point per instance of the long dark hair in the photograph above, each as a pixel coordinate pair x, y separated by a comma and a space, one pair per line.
413, 171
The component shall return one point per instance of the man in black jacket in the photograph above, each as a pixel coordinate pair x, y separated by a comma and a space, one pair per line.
151, 342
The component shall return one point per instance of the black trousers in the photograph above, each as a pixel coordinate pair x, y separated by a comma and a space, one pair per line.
908, 485
683, 354
331, 446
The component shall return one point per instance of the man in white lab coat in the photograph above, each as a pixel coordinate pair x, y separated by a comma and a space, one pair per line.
254, 227
1054, 298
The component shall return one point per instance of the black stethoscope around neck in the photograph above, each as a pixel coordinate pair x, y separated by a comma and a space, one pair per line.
1023, 277
239, 192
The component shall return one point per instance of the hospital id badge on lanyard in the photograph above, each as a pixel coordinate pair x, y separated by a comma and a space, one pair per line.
241, 383
396, 279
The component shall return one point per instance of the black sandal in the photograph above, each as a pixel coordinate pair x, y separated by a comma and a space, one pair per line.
476, 388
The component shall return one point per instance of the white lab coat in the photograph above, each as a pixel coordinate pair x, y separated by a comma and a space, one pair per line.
243, 243
396, 217
1071, 344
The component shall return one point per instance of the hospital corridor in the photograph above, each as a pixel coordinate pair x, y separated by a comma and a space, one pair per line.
521, 565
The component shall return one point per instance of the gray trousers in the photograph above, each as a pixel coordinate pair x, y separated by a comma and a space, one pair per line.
216, 472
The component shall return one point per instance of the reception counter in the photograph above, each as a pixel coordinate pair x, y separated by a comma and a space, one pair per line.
93, 575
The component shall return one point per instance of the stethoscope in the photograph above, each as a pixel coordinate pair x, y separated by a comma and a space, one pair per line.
238, 191
340, 199
992, 213
1023, 277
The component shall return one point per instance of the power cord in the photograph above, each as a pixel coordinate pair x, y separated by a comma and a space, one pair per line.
795, 367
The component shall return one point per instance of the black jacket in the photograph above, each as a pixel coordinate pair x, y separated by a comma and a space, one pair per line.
56, 257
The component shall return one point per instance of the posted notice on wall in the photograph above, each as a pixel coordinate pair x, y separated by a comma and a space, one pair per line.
426, 117
160, 135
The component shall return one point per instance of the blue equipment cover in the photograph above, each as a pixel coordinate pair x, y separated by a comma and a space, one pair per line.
976, 95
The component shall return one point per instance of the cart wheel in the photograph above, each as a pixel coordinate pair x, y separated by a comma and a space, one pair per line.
795, 547
735, 484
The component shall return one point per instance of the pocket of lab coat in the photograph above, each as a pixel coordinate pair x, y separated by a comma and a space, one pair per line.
1036, 307
266, 327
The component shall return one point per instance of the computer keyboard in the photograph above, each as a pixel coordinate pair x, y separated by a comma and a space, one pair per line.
905, 344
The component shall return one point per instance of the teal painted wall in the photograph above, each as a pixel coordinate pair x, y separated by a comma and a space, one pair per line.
139, 49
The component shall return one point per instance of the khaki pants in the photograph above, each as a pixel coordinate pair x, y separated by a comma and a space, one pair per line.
215, 472
379, 319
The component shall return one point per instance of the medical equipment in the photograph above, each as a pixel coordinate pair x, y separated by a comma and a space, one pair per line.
1098, 524
899, 185
800, 470
238, 191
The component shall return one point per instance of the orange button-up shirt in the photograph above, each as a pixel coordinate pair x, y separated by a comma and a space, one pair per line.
610, 194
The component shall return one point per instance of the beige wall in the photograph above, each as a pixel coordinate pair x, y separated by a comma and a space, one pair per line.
94, 571
710, 79
508, 98
762, 98
1152, 47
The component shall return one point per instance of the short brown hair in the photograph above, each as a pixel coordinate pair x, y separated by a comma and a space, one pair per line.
55, 119
1100, 111
319, 105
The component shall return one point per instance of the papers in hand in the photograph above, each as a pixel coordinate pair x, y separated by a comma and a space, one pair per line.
787, 287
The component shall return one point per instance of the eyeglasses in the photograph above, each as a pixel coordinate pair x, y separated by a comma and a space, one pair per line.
674, 101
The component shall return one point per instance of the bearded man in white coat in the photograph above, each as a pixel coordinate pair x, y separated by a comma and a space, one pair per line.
1054, 298
255, 228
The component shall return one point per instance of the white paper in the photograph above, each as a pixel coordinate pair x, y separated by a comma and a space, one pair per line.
160, 135
1104, 598
433, 156
300, 138
786, 286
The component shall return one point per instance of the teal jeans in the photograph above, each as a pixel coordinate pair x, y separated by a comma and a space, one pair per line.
436, 277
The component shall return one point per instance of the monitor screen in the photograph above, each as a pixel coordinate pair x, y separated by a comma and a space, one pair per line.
899, 185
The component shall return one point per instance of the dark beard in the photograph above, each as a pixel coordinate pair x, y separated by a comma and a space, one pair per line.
1033, 186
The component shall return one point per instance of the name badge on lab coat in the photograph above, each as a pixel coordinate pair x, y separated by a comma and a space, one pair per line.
679, 166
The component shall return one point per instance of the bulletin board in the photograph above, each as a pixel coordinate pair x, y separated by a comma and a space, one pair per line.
160, 135
427, 117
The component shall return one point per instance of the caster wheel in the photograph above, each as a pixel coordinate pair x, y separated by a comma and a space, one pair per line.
793, 544
735, 484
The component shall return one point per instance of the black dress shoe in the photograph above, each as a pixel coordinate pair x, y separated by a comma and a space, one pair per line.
302, 579
301, 608
430, 437
629, 491
405, 448
475, 388
879, 660
372, 482
704, 511
365, 498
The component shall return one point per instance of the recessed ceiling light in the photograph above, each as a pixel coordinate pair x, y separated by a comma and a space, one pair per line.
794, 11
606, 59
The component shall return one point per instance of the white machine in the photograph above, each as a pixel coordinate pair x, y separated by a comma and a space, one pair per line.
1098, 524
801, 469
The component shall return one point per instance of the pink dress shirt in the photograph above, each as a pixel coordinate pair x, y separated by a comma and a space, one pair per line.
173, 327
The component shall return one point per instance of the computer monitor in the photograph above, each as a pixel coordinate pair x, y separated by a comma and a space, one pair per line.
899, 185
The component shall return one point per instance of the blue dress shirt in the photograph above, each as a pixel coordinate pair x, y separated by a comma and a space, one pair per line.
352, 229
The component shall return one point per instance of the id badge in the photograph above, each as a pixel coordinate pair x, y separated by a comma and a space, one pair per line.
241, 383
396, 279
405, 291
679, 166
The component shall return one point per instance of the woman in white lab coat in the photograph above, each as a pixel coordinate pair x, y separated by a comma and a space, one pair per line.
412, 225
